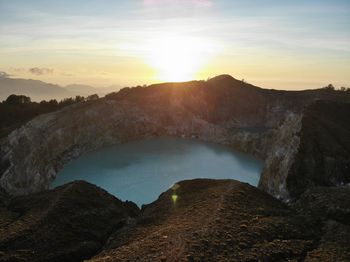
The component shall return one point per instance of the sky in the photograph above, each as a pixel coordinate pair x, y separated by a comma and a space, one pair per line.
289, 44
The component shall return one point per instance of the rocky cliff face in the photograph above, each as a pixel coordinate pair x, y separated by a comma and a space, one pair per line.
285, 141
32, 154
308, 150
323, 157
222, 110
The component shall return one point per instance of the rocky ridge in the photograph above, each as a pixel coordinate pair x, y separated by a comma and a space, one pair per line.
212, 220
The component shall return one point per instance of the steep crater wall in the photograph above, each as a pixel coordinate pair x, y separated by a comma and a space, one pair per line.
309, 150
222, 110
32, 155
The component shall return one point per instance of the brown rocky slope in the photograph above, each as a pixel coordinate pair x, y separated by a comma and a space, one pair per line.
69, 223
209, 220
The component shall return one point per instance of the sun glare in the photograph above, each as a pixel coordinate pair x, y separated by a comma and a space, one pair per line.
177, 58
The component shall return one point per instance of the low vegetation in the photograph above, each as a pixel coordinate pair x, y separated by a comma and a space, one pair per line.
16, 110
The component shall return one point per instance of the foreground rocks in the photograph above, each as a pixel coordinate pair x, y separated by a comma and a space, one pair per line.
330, 207
69, 223
195, 220
212, 220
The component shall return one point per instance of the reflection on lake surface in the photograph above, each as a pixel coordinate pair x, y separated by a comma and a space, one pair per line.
139, 171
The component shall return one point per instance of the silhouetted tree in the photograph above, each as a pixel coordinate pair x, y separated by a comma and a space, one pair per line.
329, 87
92, 97
16, 110
17, 100
79, 99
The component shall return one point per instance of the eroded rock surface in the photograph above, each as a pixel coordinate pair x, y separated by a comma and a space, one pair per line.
309, 150
285, 143
329, 207
323, 158
326, 203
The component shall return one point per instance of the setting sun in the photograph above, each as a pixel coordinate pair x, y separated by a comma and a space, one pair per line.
177, 58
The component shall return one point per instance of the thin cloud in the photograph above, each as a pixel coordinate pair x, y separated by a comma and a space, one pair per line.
4, 74
40, 71
181, 2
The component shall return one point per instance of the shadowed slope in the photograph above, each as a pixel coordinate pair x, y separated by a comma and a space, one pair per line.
69, 223
212, 220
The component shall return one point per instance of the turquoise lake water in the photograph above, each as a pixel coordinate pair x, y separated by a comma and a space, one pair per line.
139, 171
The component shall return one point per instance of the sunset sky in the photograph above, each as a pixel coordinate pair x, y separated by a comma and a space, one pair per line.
271, 43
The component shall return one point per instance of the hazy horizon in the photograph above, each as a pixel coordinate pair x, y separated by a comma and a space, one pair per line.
281, 45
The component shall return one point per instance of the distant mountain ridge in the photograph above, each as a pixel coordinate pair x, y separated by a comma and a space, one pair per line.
81, 89
38, 90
